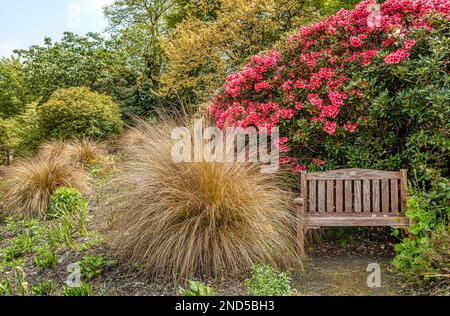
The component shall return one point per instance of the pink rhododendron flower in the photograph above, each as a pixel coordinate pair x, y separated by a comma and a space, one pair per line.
314, 85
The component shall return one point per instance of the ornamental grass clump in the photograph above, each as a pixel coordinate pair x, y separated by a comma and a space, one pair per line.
84, 152
187, 219
29, 183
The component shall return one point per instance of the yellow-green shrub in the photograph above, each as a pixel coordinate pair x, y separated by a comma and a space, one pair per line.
79, 112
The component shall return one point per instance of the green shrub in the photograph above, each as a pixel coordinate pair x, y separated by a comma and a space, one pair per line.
267, 281
428, 255
79, 113
66, 201
196, 289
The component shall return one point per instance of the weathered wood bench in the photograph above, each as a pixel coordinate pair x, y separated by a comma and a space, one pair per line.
352, 197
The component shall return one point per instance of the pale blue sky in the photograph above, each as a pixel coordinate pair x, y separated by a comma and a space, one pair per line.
27, 22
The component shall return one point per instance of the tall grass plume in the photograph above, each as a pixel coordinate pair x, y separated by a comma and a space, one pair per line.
187, 219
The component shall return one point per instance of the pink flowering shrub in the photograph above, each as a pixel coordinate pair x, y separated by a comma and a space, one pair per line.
347, 91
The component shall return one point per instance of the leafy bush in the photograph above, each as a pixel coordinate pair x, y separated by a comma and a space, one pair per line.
428, 255
196, 289
353, 92
65, 201
221, 218
29, 183
267, 281
19, 135
78, 113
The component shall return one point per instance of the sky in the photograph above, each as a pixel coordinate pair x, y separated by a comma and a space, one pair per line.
26, 22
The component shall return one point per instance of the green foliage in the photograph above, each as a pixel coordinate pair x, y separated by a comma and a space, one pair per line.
136, 27
267, 281
18, 246
16, 284
44, 289
74, 61
93, 266
13, 92
406, 113
19, 135
196, 289
9, 139
83, 290
78, 113
429, 253
66, 201
46, 258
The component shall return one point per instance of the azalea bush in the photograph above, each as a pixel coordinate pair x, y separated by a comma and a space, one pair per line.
367, 87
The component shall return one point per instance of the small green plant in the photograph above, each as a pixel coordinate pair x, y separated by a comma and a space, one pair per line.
19, 246
196, 289
267, 281
11, 226
93, 266
16, 285
65, 201
44, 289
46, 258
82, 290
5, 288
61, 232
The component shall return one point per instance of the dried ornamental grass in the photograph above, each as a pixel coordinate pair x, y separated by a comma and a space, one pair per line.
185, 219
29, 183
84, 152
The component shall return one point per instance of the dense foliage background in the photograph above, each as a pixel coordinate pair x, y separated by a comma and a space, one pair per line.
346, 89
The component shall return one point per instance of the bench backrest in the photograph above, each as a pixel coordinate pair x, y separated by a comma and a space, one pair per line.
348, 191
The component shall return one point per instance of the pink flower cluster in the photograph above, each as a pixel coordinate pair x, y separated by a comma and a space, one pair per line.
313, 80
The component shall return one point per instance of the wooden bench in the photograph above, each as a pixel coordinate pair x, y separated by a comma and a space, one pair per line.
352, 197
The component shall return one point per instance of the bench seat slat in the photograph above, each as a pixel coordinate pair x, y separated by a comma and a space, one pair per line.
339, 196
330, 196
312, 196
385, 196
394, 196
376, 196
366, 196
321, 197
342, 221
358, 201
348, 197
